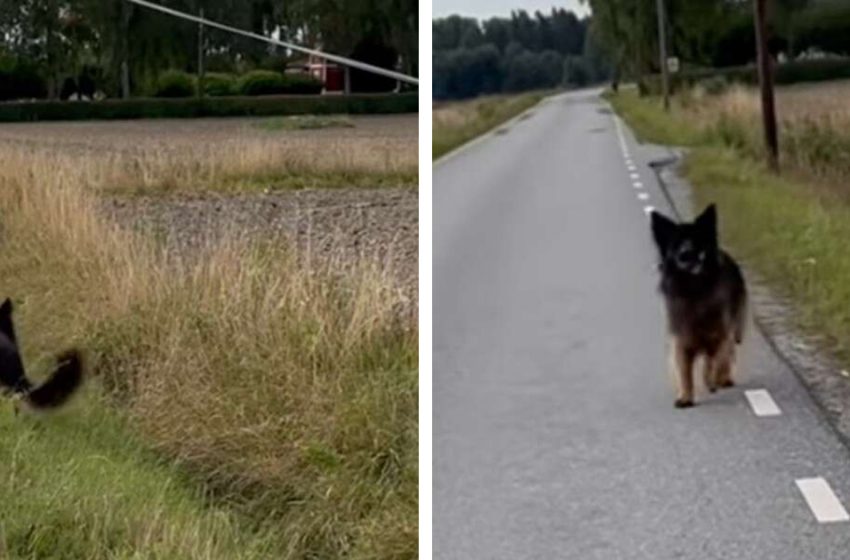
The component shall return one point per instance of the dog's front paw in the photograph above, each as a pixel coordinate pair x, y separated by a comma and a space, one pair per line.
683, 403
726, 383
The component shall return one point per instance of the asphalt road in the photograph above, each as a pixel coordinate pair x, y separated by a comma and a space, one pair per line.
554, 429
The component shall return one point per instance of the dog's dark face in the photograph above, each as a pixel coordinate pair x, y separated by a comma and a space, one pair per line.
688, 248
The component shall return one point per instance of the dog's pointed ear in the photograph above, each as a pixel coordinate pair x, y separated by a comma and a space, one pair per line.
663, 229
707, 222
6, 308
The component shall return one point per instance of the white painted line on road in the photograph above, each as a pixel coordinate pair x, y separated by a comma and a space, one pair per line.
631, 167
643, 196
634, 176
822, 500
637, 185
648, 210
762, 403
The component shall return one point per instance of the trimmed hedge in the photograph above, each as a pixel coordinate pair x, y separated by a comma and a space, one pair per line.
268, 82
784, 74
151, 108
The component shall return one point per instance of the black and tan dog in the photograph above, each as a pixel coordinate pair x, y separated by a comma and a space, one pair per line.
706, 300
55, 391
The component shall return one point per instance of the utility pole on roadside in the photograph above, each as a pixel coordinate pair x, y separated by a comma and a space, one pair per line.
662, 52
768, 109
201, 51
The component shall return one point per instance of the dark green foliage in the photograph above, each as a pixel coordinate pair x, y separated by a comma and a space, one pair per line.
218, 84
373, 51
716, 33
267, 82
174, 83
576, 72
519, 53
261, 82
787, 73
825, 27
20, 80
301, 84
219, 107
57, 37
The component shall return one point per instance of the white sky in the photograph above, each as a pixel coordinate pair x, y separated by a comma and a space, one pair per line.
483, 9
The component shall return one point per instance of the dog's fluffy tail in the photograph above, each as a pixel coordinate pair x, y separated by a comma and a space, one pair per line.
59, 387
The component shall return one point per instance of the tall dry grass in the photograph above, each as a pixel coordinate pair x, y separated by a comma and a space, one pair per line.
198, 159
814, 124
289, 391
457, 122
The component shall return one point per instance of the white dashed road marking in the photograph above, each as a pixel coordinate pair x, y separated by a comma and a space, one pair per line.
648, 209
634, 176
762, 403
643, 196
637, 185
822, 500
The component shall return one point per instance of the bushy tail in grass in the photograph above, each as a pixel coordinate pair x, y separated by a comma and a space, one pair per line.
61, 384
54, 392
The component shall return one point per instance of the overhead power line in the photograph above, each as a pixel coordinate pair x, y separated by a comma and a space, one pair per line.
327, 56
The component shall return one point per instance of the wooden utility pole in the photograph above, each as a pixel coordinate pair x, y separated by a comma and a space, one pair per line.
662, 53
201, 56
768, 109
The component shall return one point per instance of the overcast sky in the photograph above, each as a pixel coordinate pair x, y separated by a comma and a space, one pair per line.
486, 8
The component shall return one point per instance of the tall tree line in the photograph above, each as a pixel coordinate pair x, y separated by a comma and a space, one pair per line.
121, 45
716, 33
512, 54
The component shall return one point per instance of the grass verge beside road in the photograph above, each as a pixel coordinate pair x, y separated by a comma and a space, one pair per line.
456, 123
792, 229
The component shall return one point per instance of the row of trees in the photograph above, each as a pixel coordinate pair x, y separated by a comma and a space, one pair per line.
123, 47
514, 54
716, 33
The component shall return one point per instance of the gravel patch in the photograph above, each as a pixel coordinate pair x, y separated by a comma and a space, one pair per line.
339, 226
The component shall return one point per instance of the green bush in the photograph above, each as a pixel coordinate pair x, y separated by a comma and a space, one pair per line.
211, 107
219, 84
261, 82
267, 82
174, 83
302, 84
